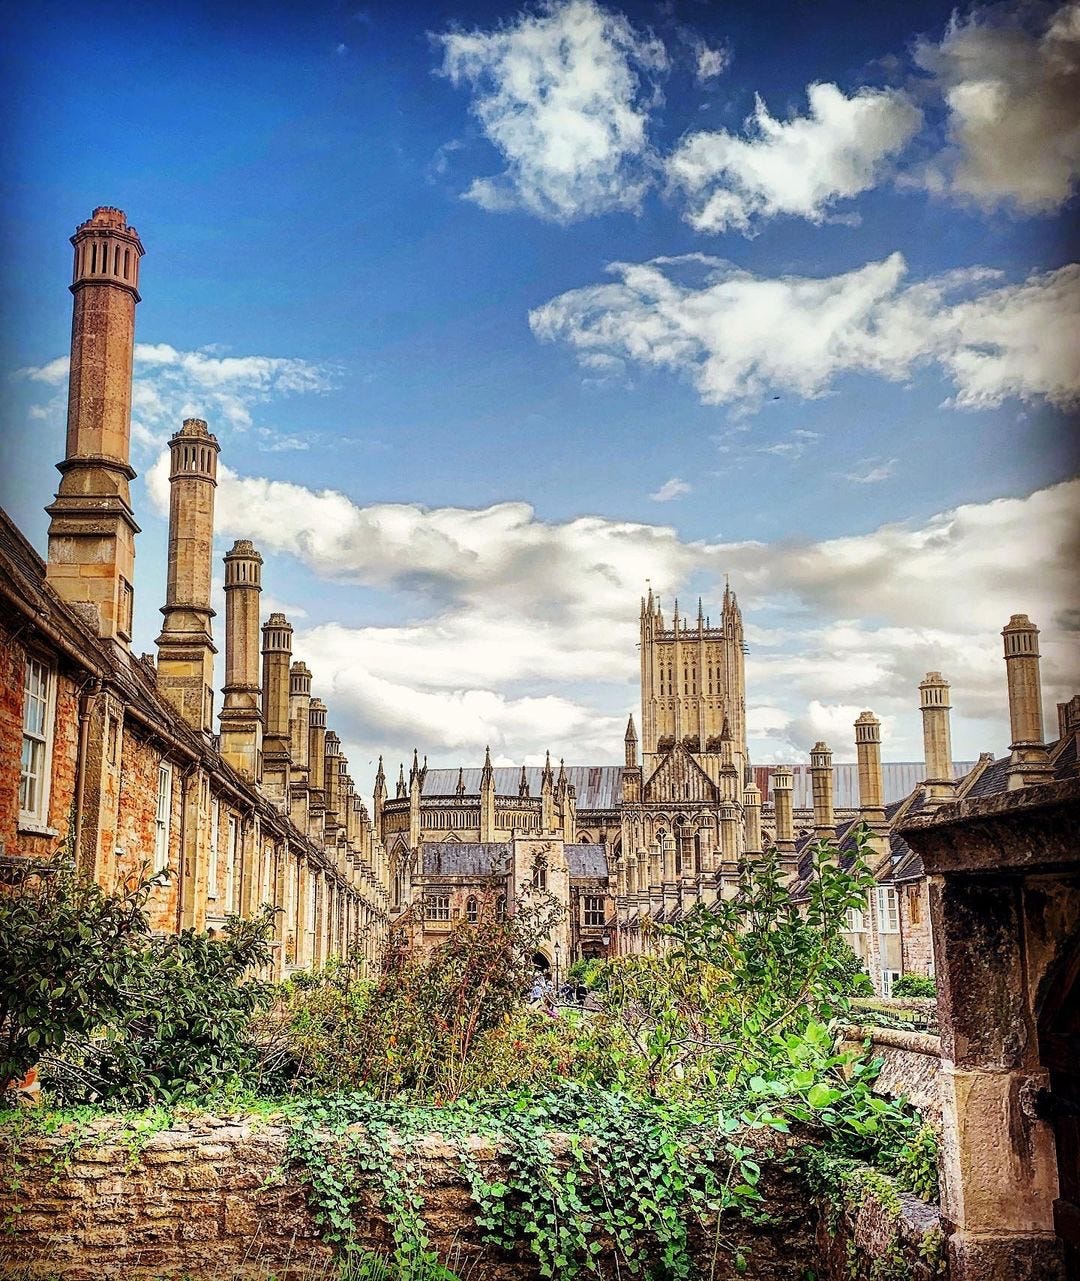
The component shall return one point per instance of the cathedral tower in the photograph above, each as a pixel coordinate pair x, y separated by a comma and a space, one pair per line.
91, 562
692, 679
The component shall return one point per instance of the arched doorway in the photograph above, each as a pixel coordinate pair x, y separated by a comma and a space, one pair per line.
541, 963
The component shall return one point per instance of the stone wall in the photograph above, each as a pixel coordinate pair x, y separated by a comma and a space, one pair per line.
911, 1064
214, 1199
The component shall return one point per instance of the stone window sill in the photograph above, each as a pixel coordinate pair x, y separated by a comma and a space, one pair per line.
34, 827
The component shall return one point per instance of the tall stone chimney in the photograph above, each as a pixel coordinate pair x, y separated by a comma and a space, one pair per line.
937, 739
316, 767
277, 634
241, 715
91, 561
821, 780
785, 830
871, 779
752, 812
185, 665
1030, 761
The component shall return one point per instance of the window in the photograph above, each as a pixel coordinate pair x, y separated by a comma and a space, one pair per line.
887, 910
36, 743
212, 870
888, 978
594, 909
915, 904
500, 908
472, 910
539, 878
163, 817
232, 857
437, 907
856, 920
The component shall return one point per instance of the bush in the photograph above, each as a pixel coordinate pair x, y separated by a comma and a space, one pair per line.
66, 948
428, 1015
112, 1014
914, 985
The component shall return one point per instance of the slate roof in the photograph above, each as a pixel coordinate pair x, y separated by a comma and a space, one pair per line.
899, 778
465, 858
598, 787
586, 860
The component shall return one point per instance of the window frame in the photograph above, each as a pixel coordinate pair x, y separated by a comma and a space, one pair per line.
212, 886
593, 917
37, 818
163, 815
888, 910
437, 907
888, 978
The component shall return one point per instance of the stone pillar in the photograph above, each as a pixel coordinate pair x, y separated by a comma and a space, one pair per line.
241, 715
91, 557
937, 739
1030, 761
185, 665
821, 778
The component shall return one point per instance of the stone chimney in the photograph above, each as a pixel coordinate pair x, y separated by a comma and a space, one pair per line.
821, 780
91, 559
299, 744
331, 780
185, 665
785, 830
316, 767
277, 634
1030, 763
937, 739
241, 714
871, 779
752, 812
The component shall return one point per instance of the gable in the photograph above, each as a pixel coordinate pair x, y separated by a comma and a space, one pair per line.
679, 777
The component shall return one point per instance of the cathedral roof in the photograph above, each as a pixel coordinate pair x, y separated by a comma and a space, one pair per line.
465, 858
586, 860
899, 778
598, 787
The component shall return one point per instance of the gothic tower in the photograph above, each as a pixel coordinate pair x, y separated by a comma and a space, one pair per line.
692, 679
91, 561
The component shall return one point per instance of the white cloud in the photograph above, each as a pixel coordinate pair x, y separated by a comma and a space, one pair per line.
801, 166
710, 63
718, 324
870, 472
1011, 97
673, 488
170, 385
565, 95
523, 633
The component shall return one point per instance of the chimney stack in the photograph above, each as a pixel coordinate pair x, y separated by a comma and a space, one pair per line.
1030, 762
241, 717
752, 809
277, 634
937, 740
871, 779
785, 831
185, 665
91, 560
821, 778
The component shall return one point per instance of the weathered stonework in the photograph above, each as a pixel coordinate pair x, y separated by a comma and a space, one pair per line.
215, 1198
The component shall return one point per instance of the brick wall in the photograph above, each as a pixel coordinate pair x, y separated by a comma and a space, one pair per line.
213, 1198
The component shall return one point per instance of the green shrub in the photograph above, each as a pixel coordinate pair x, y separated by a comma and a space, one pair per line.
914, 985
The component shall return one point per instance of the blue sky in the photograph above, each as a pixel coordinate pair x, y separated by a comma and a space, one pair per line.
838, 361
